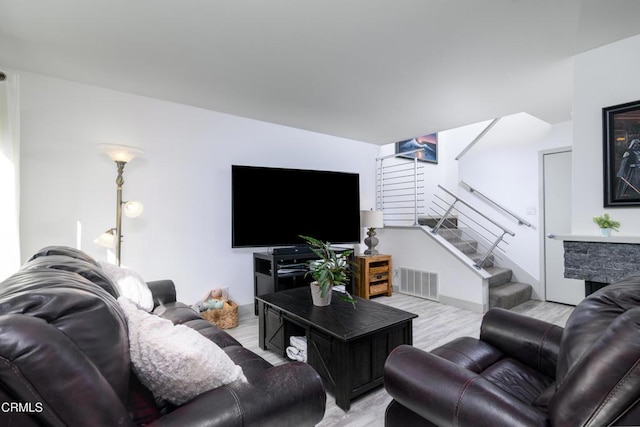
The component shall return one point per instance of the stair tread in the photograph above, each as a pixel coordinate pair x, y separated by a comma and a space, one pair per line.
450, 234
509, 294
499, 276
495, 270
509, 285
464, 242
431, 221
467, 247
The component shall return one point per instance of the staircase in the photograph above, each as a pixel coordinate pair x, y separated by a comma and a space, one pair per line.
503, 292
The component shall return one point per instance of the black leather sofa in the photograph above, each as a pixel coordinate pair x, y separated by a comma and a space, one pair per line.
64, 358
526, 372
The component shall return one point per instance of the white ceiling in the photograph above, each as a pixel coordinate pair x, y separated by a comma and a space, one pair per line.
372, 70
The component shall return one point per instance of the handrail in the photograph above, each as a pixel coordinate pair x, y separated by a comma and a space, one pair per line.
389, 156
471, 189
477, 138
467, 204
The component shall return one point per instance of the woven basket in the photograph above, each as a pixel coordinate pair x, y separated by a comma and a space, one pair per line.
225, 317
377, 289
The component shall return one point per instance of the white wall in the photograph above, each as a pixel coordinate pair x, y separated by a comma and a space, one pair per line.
452, 143
604, 77
458, 284
183, 179
503, 165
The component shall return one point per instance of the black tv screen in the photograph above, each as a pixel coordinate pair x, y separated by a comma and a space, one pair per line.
274, 206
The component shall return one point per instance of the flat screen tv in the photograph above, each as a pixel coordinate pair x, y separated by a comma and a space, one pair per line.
274, 206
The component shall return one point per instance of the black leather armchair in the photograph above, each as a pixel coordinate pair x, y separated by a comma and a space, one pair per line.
64, 358
527, 372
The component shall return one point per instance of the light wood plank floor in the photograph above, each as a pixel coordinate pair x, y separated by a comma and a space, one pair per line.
437, 324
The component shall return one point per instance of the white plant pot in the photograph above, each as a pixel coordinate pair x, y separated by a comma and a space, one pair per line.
319, 300
605, 232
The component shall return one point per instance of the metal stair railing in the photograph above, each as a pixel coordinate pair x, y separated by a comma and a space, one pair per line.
488, 233
400, 188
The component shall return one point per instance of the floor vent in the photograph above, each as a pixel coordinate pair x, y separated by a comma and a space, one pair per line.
419, 283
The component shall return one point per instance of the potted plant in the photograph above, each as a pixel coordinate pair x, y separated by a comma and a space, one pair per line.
332, 269
606, 224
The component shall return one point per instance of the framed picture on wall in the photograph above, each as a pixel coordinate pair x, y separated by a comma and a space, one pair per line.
621, 143
427, 144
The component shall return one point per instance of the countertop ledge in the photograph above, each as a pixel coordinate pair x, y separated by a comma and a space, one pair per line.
599, 239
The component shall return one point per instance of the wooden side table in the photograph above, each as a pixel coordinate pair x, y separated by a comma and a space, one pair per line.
374, 275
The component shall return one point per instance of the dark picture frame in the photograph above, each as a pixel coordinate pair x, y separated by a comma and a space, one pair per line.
427, 143
621, 145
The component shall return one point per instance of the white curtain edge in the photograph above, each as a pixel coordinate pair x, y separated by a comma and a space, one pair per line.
10, 148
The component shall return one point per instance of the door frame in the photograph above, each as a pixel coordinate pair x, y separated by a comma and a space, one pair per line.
541, 217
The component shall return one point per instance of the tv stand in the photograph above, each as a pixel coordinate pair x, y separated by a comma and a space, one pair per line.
277, 271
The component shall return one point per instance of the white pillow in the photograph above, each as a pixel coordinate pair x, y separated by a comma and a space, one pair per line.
175, 362
130, 285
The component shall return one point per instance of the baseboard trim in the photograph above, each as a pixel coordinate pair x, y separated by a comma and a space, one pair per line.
471, 306
245, 309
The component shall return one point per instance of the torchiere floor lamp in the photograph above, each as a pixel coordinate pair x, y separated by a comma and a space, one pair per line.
121, 154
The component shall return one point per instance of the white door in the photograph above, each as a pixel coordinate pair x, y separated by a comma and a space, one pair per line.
557, 220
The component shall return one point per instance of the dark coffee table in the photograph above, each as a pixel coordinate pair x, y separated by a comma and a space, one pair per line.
346, 346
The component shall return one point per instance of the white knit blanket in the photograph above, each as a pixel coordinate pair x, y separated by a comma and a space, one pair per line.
175, 362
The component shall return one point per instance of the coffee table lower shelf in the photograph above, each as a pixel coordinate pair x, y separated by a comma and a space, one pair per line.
348, 357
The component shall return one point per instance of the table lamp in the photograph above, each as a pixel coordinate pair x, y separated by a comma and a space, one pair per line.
371, 220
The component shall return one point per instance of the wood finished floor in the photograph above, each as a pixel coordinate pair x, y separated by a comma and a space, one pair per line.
437, 324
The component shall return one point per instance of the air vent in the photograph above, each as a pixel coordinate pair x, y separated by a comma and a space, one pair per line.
419, 283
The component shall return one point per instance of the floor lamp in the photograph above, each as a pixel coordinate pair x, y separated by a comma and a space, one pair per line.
121, 154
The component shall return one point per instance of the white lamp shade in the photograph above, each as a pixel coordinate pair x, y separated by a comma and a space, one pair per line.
106, 239
371, 219
133, 209
120, 153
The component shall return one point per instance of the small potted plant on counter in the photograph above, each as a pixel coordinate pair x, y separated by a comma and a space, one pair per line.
332, 269
606, 224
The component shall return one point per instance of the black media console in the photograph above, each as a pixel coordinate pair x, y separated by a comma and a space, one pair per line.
282, 269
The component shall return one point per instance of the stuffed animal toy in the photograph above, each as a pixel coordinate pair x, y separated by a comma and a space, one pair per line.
216, 293
200, 306
213, 299
214, 303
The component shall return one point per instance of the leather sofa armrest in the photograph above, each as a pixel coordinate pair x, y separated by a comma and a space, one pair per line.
533, 342
163, 291
286, 395
447, 394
